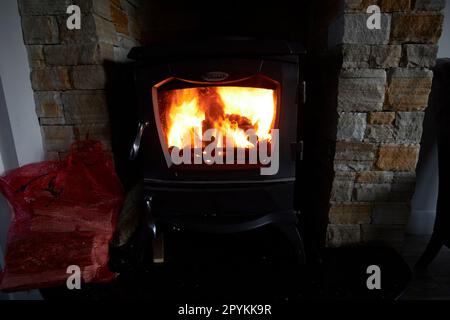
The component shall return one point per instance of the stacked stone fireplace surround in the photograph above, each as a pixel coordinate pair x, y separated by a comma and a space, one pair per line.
67, 66
381, 91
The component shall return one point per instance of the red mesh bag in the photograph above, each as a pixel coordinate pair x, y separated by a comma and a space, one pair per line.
64, 213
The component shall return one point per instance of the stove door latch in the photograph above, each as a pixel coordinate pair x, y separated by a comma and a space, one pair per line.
137, 140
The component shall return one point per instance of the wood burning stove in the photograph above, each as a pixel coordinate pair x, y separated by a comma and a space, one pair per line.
232, 89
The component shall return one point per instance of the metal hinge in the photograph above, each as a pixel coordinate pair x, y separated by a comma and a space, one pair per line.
137, 140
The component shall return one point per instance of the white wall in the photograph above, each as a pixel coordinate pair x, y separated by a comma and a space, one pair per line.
8, 154
4, 219
20, 135
444, 42
18, 95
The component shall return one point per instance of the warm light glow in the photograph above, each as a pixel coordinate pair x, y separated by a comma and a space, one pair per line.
184, 117
229, 110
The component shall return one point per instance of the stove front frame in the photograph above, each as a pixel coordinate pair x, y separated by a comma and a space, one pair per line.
163, 185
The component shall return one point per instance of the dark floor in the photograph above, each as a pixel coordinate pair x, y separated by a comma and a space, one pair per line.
434, 284
341, 277
256, 265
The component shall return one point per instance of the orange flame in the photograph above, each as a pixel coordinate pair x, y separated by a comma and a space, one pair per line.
229, 110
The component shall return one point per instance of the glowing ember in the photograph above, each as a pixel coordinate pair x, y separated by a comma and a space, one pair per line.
229, 110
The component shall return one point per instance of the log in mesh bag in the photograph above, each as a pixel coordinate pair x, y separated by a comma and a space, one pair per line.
63, 214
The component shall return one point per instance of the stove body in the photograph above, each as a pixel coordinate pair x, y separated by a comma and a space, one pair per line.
219, 198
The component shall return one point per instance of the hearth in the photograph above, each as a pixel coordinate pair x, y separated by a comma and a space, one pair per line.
218, 136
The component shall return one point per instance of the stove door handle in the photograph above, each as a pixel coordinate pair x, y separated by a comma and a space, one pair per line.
137, 141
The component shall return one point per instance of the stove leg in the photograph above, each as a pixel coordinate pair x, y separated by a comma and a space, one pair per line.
293, 235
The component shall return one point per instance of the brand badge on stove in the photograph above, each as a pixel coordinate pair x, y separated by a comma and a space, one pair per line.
215, 76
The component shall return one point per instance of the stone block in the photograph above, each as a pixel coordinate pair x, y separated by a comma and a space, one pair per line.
361, 90
99, 131
416, 27
51, 121
381, 118
343, 235
429, 5
385, 56
369, 192
119, 19
380, 133
354, 5
385, 5
37, 64
382, 177
40, 30
85, 106
106, 31
352, 165
409, 127
419, 55
351, 28
393, 5
363, 74
409, 89
95, 29
84, 36
43, 7
355, 55
354, 151
353, 156
351, 126
99, 7
50, 79
48, 104
57, 138
350, 213
35, 52
51, 156
102, 8
397, 157
405, 73
404, 177
89, 77
76, 54
36, 56
342, 186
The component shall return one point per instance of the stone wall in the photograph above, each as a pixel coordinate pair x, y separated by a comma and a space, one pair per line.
68, 75
382, 91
